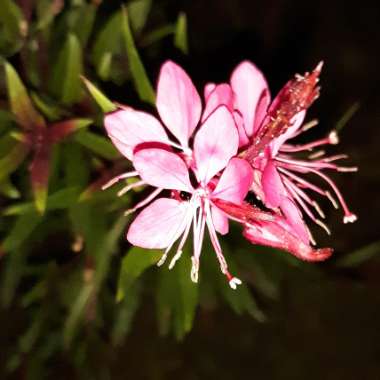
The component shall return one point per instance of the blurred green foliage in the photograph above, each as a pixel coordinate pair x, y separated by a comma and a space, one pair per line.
65, 266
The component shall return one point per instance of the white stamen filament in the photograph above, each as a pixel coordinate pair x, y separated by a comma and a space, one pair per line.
118, 178
144, 201
125, 189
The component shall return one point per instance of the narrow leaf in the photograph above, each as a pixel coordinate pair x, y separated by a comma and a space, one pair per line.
59, 200
76, 312
65, 79
58, 131
134, 263
138, 11
13, 159
20, 231
13, 27
97, 144
142, 84
347, 116
360, 256
108, 42
8, 189
102, 101
21, 105
180, 35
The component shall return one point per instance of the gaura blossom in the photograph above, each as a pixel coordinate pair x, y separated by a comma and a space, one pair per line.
264, 131
196, 176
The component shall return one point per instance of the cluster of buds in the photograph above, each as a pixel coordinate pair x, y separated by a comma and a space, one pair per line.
201, 163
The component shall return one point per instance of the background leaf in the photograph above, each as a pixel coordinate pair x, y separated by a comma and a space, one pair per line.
180, 35
65, 79
134, 263
140, 78
21, 105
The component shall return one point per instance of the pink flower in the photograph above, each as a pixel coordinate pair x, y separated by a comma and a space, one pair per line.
278, 180
271, 230
209, 162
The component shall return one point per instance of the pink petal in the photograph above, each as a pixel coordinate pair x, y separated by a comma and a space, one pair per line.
161, 168
296, 124
239, 121
128, 128
273, 187
209, 87
159, 224
294, 217
220, 95
178, 102
215, 143
251, 94
219, 220
276, 235
235, 181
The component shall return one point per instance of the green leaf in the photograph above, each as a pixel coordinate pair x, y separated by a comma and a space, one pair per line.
177, 298
125, 313
360, 256
108, 42
138, 11
12, 27
66, 72
13, 159
14, 267
21, 105
97, 144
6, 120
76, 312
134, 263
102, 101
142, 84
107, 247
180, 34
187, 299
347, 116
20, 231
61, 199
84, 22
8, 189
52, 111
158, 34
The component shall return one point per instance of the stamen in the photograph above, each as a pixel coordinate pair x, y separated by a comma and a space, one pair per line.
118, 178
194, 269
181, 226
198, 232
302, 181
350, 169
182, 242
125, 189
292, 189
144, 201
323, 225
289, 163
333, 137
349, 216
304, 196
335, 158
317, 154
233, 281
332, 199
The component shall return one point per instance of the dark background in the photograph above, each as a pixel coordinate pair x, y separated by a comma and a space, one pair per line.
324, 324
